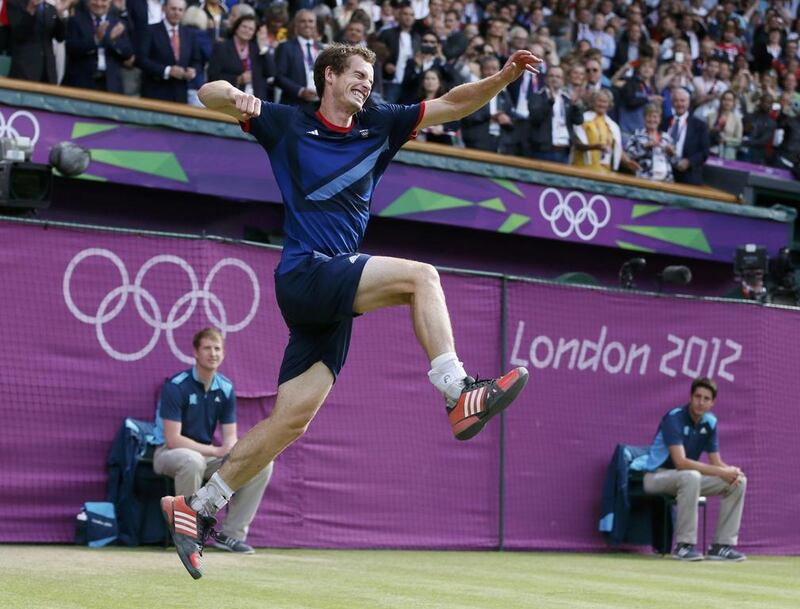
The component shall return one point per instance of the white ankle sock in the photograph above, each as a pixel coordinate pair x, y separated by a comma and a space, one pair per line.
447, 374
212, 497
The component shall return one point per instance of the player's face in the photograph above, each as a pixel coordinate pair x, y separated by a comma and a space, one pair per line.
209, 354
353, 86
702, 401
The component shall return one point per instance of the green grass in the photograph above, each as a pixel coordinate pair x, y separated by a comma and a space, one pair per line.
66, 577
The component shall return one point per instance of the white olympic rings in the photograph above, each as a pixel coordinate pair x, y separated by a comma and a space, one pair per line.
8, 129
575, 219
153, 317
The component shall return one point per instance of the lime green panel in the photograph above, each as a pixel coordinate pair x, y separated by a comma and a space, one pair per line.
80, 129
640, 210
91, 178
508, 185
161, 164
692, 238
495, 204
632, 246
419, 200
513, 222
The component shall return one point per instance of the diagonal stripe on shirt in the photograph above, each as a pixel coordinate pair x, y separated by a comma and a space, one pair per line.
351, 176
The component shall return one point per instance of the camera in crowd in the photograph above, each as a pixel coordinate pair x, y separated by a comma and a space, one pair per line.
767, 280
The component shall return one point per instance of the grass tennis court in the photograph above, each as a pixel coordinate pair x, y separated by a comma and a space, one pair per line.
67, 577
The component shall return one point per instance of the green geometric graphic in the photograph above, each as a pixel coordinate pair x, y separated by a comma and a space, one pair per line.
640, 210
417, 200
513, 222
83, 129
496, 204
508, 185
624, 245
691, 238
91, 178
161, 164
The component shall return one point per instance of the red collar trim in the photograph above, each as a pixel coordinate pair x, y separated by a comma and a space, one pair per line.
333, 127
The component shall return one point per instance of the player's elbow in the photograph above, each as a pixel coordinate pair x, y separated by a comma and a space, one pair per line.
204, 93
212, 93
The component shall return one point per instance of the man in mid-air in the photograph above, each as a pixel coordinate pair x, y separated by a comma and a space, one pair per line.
327, 160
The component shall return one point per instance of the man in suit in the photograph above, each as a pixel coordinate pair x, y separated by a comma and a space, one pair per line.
489, 127
34, 25
97, 45
691, 140
294, 61
553, 114
170, 56
403, 44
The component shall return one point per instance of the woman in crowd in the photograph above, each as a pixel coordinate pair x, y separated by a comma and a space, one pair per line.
744, 89
650, 151
431, 87
599, 141
725, 127
239, 61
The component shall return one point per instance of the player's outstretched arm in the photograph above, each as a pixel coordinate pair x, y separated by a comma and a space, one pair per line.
466, 99
222, 96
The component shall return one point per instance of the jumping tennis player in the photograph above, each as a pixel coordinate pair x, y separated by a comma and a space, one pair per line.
327, 160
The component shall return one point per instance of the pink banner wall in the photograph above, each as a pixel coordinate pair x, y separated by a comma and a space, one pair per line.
378, 467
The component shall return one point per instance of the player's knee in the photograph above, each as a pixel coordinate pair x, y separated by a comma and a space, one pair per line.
297, 423
426, 276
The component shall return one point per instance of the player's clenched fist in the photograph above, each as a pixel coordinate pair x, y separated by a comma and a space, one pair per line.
248, 105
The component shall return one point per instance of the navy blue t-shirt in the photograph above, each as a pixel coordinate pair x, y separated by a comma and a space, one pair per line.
184, 399
327, 174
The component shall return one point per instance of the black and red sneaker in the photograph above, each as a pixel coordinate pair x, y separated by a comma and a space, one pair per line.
189, 531
480, 400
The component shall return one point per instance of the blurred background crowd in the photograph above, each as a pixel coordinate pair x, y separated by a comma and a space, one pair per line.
646, 87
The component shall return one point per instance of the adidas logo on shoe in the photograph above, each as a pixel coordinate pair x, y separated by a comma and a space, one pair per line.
480, 400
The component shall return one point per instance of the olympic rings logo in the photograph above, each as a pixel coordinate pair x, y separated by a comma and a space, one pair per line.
153, 317
9, 130
576, 219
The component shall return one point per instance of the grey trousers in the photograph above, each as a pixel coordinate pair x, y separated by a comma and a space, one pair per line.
687, 485
190, 469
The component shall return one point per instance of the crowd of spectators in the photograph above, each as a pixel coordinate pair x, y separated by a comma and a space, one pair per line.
650, 87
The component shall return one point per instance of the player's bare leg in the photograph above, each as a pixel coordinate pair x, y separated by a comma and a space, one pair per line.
471, 403
299, 399
190, 520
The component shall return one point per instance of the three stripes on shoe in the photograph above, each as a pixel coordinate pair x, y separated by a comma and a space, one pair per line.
185, 524
473, 401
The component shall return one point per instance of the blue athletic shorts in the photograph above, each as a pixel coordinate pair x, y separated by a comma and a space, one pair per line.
316, 300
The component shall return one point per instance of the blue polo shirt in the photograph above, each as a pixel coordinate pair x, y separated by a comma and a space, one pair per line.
328, 174
184, 399
678, 428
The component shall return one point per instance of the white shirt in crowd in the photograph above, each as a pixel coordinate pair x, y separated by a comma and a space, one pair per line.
154, 11
678, 132
560, 133
405, 53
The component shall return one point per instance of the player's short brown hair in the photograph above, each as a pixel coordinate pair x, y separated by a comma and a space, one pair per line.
337, 56
211, 333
